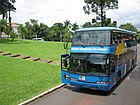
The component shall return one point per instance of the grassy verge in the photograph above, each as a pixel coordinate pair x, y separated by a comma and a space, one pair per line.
22, 79
45, 50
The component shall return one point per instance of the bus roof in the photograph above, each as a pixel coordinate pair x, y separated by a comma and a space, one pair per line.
106, 29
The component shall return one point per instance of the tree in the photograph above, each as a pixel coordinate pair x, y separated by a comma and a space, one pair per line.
7, 30
87, 24
3, 25
97, 24
35, 27
128, 26
13, 35
44, 30
22, 31
59, 31
67, 27
52, 34
6, 6
108, 22
75, 26
114, 24
28, 30
100, 7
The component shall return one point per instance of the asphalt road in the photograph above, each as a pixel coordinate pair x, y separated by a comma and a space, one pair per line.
127, 92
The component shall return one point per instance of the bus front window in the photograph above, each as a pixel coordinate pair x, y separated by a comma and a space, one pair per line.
91, 38
91, 64
97, 64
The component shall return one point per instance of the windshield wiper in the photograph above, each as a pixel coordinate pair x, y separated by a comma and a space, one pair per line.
83, 45
101, 45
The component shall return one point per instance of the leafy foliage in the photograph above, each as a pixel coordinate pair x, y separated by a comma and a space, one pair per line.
13, 35
58, 32
87, 24
94, 23
3, 25
128, 26
100, 7
6, 6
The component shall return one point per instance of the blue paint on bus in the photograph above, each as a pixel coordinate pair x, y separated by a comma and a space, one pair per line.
96, 62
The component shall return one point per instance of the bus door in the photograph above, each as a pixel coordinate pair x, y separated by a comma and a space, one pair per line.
113, 71
65, 68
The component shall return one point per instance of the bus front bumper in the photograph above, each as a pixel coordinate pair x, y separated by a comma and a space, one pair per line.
94, 86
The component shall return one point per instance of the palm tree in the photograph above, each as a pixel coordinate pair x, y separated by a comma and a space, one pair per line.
6, 6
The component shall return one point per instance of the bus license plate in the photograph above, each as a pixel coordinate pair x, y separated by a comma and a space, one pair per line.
82, 78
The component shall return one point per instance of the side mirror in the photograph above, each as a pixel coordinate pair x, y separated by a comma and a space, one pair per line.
65, 62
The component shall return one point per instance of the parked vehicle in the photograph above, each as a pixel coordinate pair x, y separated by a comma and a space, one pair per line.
38, 39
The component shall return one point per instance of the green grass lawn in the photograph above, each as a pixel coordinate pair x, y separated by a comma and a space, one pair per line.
22, 79
45, 50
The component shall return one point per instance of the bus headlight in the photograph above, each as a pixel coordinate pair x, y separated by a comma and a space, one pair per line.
98, 82
66, 76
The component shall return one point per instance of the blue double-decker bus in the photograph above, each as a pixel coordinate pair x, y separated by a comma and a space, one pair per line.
99, 57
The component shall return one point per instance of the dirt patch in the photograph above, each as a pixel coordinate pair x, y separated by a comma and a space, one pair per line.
37, 59
5, 53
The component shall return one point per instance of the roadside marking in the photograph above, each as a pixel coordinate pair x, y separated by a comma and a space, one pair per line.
41, 95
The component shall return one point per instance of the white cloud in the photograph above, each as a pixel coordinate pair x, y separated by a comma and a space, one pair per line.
128, 12
52, 11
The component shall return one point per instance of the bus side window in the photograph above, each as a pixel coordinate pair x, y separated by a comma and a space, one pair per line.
115, 39
129, 40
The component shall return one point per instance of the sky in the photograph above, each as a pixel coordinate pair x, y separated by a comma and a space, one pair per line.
52, 11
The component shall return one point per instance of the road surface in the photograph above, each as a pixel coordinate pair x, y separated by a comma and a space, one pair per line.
125, 93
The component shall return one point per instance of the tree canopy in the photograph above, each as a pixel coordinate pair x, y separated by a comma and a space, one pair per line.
100, 7
57, 32
128, 26
6, 6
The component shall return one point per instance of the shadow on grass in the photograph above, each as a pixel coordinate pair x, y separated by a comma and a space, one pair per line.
98, 92
9, 41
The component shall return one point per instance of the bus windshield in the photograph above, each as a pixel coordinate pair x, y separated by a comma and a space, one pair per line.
89, 64
91, 38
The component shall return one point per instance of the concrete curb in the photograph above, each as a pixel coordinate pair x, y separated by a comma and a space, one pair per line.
41, 95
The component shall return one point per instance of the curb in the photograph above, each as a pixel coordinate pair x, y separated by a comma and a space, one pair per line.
41, 95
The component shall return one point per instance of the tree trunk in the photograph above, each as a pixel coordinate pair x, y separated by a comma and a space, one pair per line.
102, 17
13, 39
0, 36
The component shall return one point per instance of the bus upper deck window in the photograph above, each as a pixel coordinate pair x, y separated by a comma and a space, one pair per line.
115, 40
